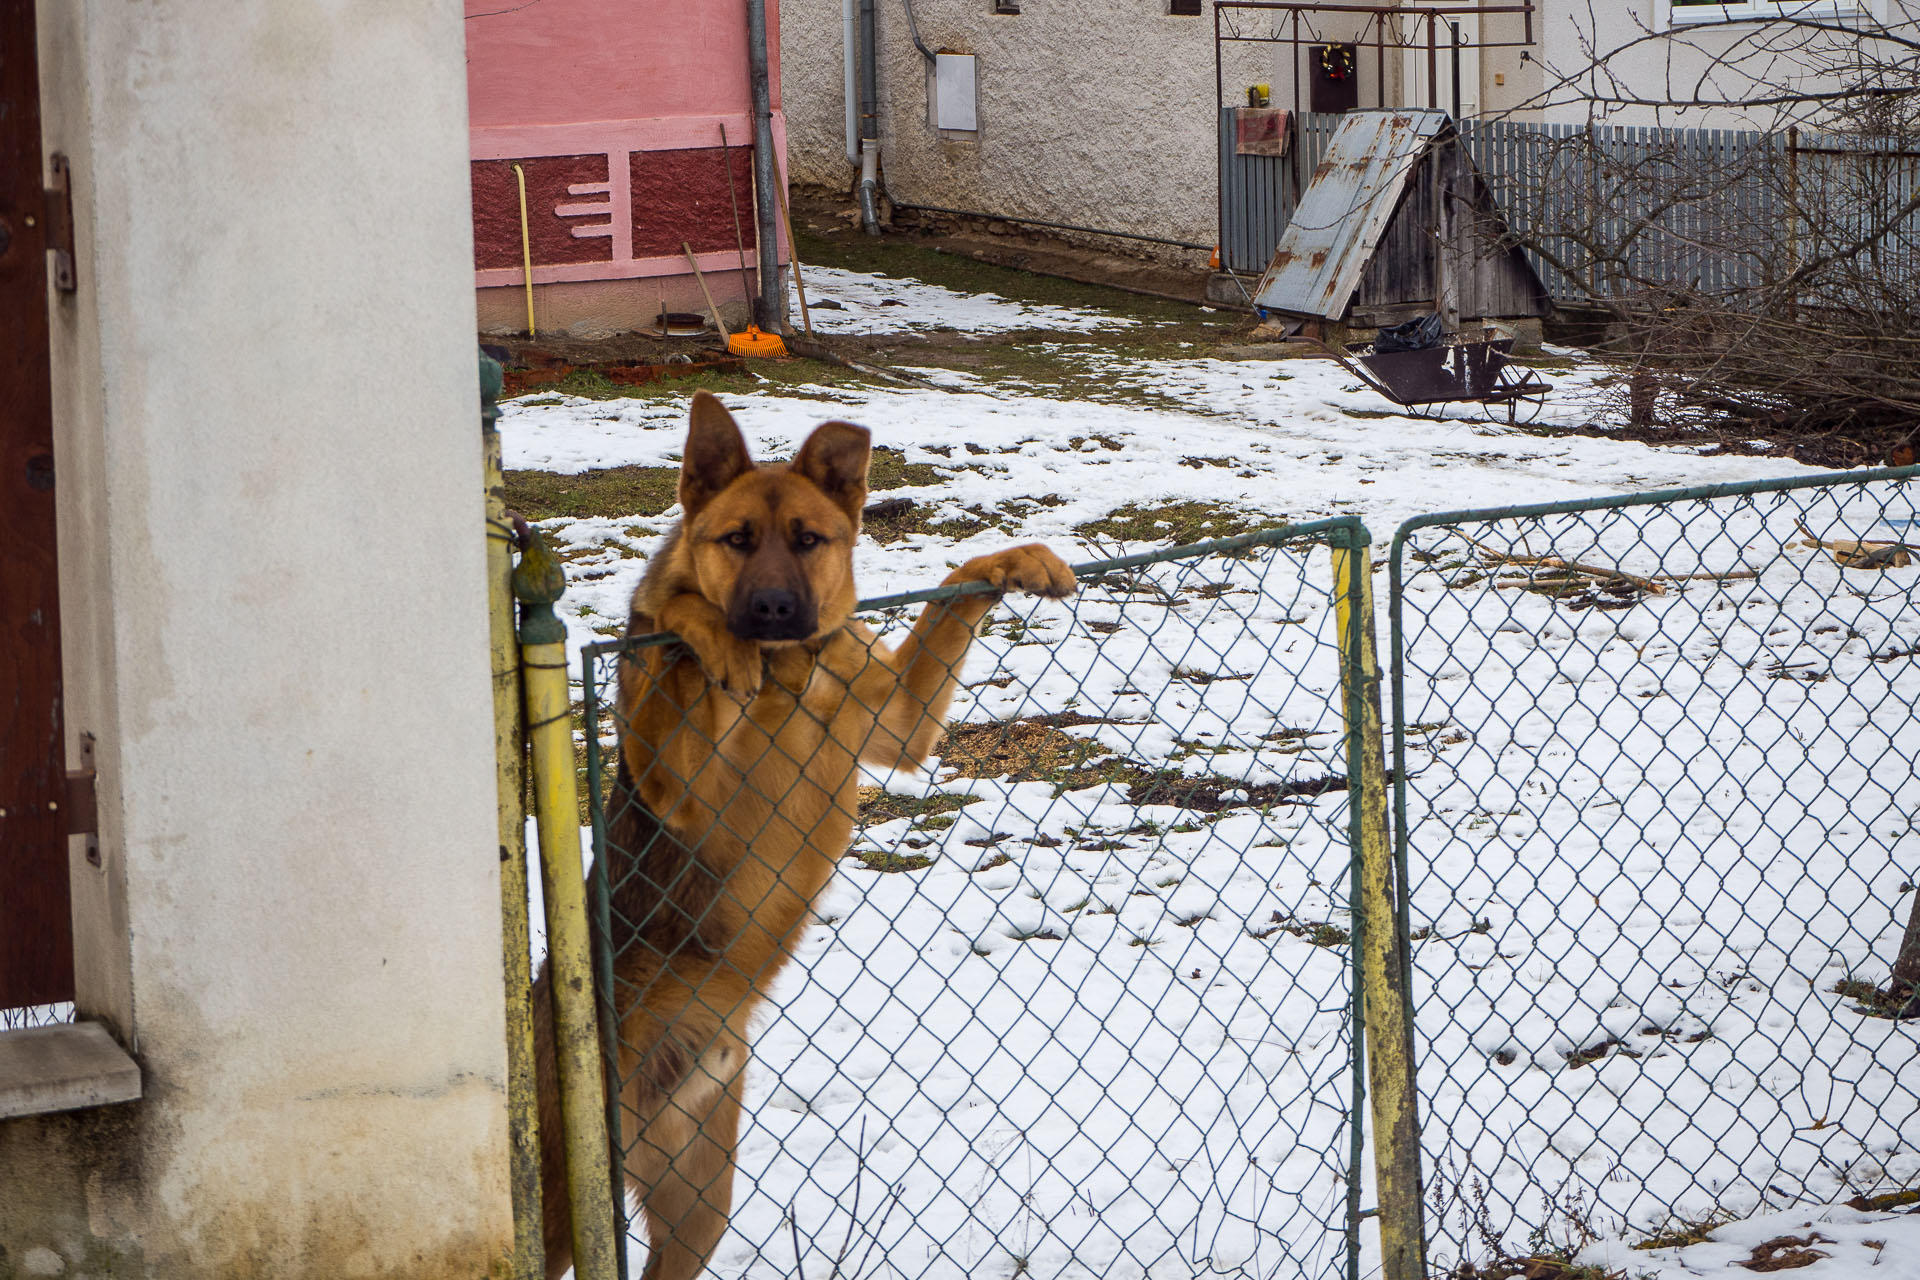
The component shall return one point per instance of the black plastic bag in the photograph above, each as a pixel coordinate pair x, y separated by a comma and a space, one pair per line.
1415, 335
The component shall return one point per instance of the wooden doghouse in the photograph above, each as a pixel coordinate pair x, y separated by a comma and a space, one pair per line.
1397, 222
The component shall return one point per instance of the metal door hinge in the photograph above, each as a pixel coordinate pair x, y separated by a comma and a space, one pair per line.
83, 808
59, 215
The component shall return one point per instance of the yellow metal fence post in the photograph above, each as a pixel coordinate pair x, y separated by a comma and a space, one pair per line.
1385, 1009
529, 1258
537, 583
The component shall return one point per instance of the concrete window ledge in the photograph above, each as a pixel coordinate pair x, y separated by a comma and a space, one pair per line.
63, 1068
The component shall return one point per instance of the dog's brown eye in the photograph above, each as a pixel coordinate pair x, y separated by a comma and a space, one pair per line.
808, 541
739, 539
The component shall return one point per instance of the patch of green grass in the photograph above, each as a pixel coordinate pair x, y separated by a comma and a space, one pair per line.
1873, 1204
891, 470
1542, 360
1316, 933
926, 518
612, 492
1874, 1001
887, 862
1178, 523
609, 491
884, 806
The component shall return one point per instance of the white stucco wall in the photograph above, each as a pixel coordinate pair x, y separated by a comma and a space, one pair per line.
1094, 112
1101, 112
1650, 57
275, 620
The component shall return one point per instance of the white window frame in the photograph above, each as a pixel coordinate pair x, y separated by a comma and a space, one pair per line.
1687, 15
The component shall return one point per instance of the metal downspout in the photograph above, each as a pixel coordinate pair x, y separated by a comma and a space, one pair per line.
850, 78
869, 121
770, 311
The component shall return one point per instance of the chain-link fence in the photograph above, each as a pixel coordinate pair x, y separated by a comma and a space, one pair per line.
1655, 788
1079, 999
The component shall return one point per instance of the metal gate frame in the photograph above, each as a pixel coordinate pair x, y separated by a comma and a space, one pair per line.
1399, 640
1380, 1032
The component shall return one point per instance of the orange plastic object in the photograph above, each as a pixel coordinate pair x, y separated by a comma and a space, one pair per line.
753, 341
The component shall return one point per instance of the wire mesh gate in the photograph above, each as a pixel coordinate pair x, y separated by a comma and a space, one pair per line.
1080, 999
1655, 780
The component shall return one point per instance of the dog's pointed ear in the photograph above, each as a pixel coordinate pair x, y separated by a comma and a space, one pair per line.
716, 453
835, 457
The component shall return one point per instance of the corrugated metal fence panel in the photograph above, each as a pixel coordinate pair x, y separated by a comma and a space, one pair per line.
1258, 193
1610, 209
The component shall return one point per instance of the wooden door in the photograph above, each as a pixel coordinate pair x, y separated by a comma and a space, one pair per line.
36, 922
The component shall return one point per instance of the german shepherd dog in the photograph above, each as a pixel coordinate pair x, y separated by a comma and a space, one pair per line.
737, 791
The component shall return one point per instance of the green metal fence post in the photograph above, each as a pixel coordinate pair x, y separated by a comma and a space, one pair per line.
1383, 968
523, 1134
600, 902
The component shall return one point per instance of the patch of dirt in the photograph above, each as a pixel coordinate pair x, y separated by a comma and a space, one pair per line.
1206, 794
1112, 262
1598, 1050
1854, 445
1545, 1267
1784, 1253
1035, 751
1028, 752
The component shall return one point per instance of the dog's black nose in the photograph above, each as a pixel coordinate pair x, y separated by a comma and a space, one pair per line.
773, 606
772, 613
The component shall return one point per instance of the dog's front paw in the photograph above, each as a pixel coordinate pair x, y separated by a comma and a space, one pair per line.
1032, 569
730, 662
725, 659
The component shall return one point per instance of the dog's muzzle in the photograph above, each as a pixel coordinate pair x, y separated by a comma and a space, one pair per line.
772, 613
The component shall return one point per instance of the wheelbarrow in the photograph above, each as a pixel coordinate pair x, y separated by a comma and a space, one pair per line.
1472, 372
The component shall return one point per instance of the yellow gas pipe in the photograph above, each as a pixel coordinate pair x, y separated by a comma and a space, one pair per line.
529, 1261
526, 247
537, 583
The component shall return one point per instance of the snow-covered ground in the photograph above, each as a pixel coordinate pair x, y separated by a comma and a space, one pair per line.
1095, 1021
857, 302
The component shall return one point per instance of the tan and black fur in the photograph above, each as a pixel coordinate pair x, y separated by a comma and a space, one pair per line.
738, 789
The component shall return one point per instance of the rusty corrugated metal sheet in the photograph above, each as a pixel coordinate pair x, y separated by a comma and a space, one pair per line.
1345, 210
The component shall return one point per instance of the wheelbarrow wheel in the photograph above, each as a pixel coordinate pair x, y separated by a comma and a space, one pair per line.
1517, 401
1516, 411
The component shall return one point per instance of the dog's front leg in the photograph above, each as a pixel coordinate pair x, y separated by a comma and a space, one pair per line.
730, 662
909, 690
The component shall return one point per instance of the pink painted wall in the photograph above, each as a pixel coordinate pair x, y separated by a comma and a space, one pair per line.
615, 111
